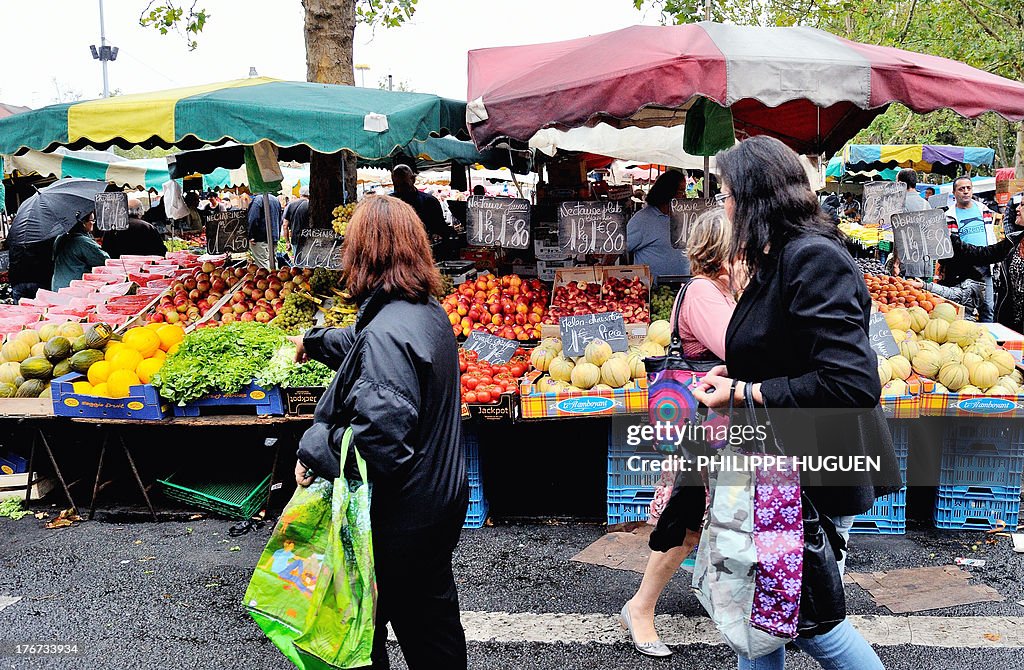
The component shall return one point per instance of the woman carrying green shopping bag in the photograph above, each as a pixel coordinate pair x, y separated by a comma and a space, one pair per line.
396, 394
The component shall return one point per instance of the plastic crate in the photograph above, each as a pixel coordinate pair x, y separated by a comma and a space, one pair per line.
143, 402
955, 512
622, 479
265, 401
629, 507
476, 513
888, 516
984, 457
239, 500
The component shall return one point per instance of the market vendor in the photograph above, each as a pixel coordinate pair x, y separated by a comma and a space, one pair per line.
257, 229
139, 238
649, 232
76, 252
427, 207
850, 207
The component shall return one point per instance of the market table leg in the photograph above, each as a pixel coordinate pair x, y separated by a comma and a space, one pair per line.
56, 470
274, 484
31, 464
99, 470
135, 472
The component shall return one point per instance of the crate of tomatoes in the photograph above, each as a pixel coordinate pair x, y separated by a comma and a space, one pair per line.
491, 390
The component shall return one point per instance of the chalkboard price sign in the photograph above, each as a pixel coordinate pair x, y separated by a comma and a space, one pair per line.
684, 213
592, 227
111, 211
498, 222
881, 337
578, 331
921, 238
226, 232
318, 248
491, 348
882, 199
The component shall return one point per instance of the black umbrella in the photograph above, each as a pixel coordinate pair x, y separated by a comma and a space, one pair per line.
54, 210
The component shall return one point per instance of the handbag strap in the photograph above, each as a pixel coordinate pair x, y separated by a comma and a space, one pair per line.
346, 442
675, 346
748, 401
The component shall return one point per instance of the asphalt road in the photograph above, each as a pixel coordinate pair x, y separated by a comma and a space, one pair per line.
167, 595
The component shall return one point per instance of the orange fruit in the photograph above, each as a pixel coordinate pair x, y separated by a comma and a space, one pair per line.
148, 368
120, 381
143, 340
98, 372
125, 359
170, 335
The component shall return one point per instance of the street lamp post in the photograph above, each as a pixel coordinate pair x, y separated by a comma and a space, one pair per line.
104, 54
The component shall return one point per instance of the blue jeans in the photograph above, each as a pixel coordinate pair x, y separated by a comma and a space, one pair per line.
842, 648
987, 308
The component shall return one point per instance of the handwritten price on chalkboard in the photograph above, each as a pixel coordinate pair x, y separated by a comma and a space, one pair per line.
589, 234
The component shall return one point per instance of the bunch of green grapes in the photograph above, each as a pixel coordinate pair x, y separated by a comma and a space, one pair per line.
323, 280
343, 312
296, 315
342, 214
177, 244
662, 299
447, 288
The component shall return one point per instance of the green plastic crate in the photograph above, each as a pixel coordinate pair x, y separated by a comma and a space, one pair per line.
240, 499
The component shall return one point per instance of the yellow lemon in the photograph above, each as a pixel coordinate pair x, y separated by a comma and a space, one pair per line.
100, 390
120, 381
112, 348
98, 372
125, 359
148, 368
142, 340
173, 349
170, 335
159, 353
82, 388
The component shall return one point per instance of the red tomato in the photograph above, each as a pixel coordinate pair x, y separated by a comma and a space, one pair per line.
463, 366
470, 382
483, 396
518, 370
471, 397
503, 377
520, 352
472, 355
486, 379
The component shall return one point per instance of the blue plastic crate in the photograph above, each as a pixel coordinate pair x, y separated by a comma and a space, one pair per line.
267, 401
476, 515
955, 512
622, 479
629, 506
984, 456
888, 516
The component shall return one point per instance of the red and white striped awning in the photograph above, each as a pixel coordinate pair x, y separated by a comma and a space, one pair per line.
809, 88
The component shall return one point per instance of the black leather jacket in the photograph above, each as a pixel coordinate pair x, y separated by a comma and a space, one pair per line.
397, 386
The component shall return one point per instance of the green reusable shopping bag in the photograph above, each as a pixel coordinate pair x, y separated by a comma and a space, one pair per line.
313, 592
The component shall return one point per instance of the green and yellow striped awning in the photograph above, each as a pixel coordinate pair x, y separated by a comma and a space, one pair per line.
324, 117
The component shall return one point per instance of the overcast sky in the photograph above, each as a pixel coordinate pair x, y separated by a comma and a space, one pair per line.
46, 43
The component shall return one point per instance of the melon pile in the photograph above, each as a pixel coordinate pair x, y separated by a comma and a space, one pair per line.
598, 369
30, 358
960, 356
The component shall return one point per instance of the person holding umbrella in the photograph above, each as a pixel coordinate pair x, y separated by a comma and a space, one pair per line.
76, 252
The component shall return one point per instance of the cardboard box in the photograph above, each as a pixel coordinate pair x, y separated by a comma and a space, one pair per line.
635, 332
26, 407
546, 269
266, 401
546, 250
506, 409
302, 400
1008, 339
977, 406
906, 406
538, 404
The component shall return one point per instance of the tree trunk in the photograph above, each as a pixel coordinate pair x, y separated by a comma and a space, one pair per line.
330, 31
1018, 155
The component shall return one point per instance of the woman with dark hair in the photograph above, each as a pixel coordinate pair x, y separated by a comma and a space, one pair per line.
76, 252
397, 388
799, 337
649, 232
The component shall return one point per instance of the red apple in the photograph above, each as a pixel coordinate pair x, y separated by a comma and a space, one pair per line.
238, 308
209, 267
246, 316
228, 318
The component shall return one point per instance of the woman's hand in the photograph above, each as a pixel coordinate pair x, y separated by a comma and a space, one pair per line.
916, 283
301, 472
713, 389
300, 349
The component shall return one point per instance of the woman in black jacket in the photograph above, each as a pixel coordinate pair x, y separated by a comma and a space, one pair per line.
397, 388
799, 336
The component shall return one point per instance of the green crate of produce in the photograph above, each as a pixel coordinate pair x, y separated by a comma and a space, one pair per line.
236, 499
